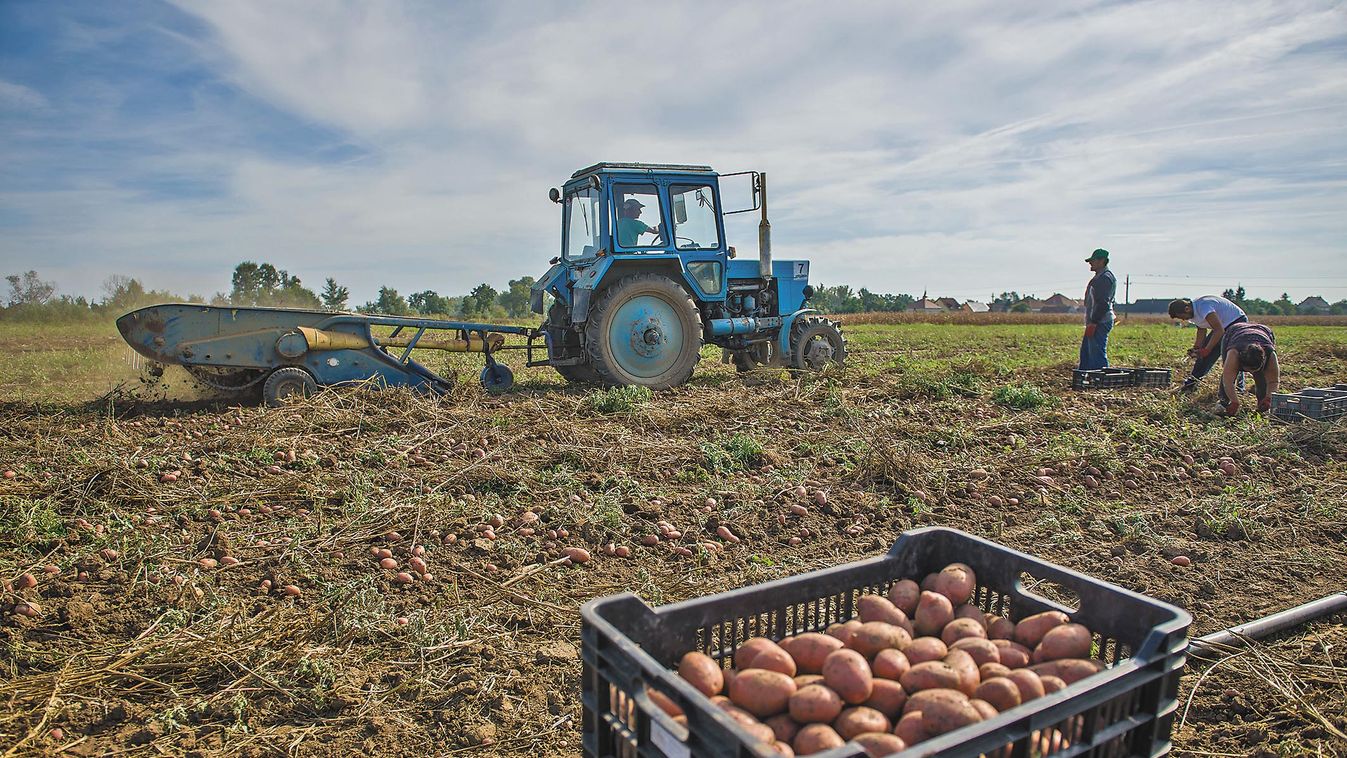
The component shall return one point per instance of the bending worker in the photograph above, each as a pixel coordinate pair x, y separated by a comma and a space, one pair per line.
1249, 347
1213, 315
1099, 295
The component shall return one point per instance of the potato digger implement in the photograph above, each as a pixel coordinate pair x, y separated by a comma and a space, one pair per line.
644, 279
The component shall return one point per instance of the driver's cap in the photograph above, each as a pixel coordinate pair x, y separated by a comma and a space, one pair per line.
633, 203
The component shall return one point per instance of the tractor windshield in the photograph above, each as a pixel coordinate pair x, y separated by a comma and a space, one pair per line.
694, 211
582, 224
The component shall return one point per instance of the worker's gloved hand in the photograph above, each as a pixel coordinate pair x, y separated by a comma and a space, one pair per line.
1204, 352
1265, 405
1090, 329
1232, 408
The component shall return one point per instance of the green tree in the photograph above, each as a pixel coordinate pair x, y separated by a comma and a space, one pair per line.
479, 301
334, 296
29, 289
1284, 305
430, 303
390, 303
515, 300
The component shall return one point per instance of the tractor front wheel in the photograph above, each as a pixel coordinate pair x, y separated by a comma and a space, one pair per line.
644, 330
815, 342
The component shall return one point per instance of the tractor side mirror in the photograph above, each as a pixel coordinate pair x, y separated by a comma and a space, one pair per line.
554, 194
680, 208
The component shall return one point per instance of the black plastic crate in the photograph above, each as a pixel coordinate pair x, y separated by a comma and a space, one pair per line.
1125, 710
1151, 377
1098, 379
1316, 403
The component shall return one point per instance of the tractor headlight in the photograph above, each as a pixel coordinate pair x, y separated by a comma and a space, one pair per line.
708, 275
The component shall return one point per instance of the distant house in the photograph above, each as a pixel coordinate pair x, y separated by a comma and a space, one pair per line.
949, 303
925, 305
1148, 305
1314, 306
1060, 303
1032, 303
973, 306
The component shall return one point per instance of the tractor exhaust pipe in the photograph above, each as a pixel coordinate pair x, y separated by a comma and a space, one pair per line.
764, 232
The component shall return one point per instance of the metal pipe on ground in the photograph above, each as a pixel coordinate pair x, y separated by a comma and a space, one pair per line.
1269, 625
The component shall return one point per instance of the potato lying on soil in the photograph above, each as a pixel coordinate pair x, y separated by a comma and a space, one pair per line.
810, 650
848, 674
761, 692
702, 672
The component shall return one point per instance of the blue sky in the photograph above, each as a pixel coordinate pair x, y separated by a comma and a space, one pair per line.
963, 148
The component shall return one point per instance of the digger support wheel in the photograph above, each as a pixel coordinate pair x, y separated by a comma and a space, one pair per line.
286, 383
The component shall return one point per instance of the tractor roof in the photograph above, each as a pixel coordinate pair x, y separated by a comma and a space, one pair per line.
608, 166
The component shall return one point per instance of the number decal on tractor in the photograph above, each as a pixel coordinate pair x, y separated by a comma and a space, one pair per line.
802, 270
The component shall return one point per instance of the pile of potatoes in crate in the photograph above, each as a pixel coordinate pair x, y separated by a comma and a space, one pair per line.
914, 665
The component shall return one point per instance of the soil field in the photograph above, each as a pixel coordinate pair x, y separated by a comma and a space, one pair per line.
208, 579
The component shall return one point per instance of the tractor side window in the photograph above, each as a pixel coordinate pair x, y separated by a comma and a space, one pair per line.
582, 224
639, 221
694, 209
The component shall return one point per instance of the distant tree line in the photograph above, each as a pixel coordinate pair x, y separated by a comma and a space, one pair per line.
842, 299
1282, 306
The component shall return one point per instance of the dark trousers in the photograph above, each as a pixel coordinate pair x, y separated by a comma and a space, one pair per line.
1202, 366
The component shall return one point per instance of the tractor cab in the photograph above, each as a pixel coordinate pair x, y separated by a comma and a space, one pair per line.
645, 276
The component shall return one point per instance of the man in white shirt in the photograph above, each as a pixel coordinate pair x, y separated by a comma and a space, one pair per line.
1212, 314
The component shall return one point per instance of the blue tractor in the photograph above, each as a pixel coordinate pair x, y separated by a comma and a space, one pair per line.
643, 280
645, 277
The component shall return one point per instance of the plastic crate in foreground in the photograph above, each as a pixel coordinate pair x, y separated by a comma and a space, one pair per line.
1151, 377
1315, 403
1125, 710
1098, 379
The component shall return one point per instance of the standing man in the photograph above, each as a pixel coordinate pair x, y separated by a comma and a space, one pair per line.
1213, 315
1098, 312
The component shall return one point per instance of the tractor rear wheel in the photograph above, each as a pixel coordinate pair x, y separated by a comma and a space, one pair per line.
644, 330
815, 342
286, 383
581, 373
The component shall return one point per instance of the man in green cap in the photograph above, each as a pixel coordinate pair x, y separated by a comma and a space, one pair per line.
1098, 312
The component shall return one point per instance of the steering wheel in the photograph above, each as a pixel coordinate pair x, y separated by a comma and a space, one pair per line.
691, 242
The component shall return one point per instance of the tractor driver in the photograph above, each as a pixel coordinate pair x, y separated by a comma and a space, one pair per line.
630, 227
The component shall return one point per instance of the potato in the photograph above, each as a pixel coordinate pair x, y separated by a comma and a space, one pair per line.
904, 595
946, 711
783, 726
931, 675
910, 728
759, 731
815, 738
663, 702
987, 671
1069, 670
876, 608
928, 582
810, 650
1002, 693
933, 612
729, 675
1000, 629
843, 631
956, 582
1029, 631
761, 692
873, 636
848, 674
1065, 641
775, 659
890, 664
963, 628
985, 709
924, 649
983, 651
1013, 654
963, 663
748, 649
804, 680
877, 745
815, 703
859, 720
702, 672
1052, 684
967, 611
783, 749
887, 697
1031, 687
737, 713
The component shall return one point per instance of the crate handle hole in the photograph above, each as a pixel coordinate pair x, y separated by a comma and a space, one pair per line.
1047, 591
